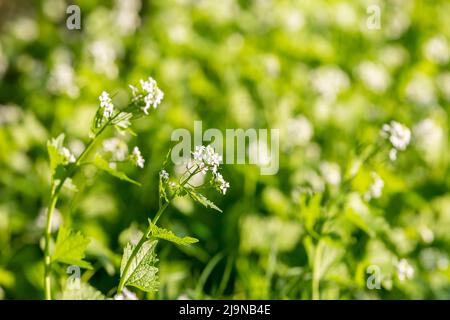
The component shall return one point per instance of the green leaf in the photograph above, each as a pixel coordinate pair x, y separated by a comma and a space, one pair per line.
198, 197
103, 165
70, 247
97, 122
122, 120
142, 272
56, 158
310, 210
168, 235
84, 292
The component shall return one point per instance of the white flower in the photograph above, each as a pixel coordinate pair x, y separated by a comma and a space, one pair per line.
426, 234
329, 81
68, 155
222, 184
299, 131
126, 295
164, 175
134, 90
404, 270
437, 49
399, 136
136, 158
106, 104
62, 78
151, 95
374, 76
206, 158
104, 53
331, 172
375, 188
420, 90
127, 15
117, 147
393, 154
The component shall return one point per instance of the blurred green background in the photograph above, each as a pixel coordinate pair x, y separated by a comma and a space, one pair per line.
311, 68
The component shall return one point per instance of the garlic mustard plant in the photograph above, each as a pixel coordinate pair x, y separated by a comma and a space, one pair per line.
70, 245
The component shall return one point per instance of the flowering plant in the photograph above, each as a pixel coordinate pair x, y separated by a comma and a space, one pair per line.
138, 267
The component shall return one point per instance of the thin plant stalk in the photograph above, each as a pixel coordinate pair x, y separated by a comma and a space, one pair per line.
56, 190
147, 233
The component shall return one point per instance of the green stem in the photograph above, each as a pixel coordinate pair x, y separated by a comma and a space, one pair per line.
146, 234
139, 245
316, 271
56, 190
47, 259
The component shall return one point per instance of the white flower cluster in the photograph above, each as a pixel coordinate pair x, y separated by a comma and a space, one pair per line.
375, 188
331, 172
164, 175
221, 183
207, 159
150, 94
437, 49
404, 270
299, 131
374, 76
106, 104
104, 54
117, 147
399, 136
329, 81
127, 15
136, 158
67, 155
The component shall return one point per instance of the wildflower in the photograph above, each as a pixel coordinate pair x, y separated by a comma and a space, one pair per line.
329, 81
299, 131
374, 76
399, 136
104, 54
393, 154
150, 95
331, 172
375, 188
206, 158
117, 148
127, 15
164, 175
221, 183
404, 270
134, 90
106, 104
426, 234
136, 158
62, 79
67, 155
437, 49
